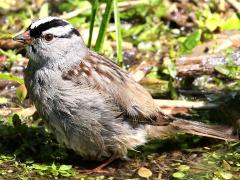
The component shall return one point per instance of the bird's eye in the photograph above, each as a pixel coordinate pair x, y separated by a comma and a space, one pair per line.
48, 37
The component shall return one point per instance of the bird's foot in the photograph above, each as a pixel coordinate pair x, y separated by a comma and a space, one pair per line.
99, 169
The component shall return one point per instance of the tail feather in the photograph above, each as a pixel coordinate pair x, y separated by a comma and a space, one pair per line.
201, 129
191, 127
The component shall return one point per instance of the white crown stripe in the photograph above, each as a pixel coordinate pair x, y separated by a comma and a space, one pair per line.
44, 20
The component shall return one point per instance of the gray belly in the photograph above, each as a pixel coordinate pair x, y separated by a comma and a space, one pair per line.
96, 142
82, 120
93, 139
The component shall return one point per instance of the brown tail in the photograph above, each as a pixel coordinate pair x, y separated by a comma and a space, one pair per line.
191, 127
201, 129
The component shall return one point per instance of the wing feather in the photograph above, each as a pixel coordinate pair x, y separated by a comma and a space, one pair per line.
134, 101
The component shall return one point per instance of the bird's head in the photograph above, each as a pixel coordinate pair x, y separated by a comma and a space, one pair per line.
50, 38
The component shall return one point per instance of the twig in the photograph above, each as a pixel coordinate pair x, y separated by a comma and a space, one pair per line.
9, 44
161, 103
139, 72
4, 112
235, 4
186, 104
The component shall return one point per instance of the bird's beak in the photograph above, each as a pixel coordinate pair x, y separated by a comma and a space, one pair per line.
24, 38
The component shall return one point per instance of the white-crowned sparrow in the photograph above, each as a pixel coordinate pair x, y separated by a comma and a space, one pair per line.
87, 101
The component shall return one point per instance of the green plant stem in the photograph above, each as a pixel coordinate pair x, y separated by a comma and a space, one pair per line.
103, 27
95, 6
118, 32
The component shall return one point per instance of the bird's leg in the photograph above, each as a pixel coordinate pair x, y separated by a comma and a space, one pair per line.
99, 168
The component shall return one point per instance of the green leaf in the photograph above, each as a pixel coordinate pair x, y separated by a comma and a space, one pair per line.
43, 11
183, 168
161, 10
171, 67
40, 167
178, 175
222, 69
155, 2
21, 92
10, 77
54, 172
83, 7
77, 21
231, 71
149, 34
213, 21
226, 175
11, 55
216, 155
226, 165
65, 167
3, 100
191, 41
232, 23
53, 166
65, 174
133, 31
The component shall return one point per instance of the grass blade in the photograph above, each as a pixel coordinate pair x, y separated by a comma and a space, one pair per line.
118, 32
104, 24
95, 6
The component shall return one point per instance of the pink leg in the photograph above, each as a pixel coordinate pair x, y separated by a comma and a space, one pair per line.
103, 165
99, 168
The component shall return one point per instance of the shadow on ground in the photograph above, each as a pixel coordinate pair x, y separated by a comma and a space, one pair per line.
34, 144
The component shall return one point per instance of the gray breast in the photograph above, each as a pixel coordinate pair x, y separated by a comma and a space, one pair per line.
80, 117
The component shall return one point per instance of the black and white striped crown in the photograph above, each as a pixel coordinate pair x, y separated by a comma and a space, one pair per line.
53, 25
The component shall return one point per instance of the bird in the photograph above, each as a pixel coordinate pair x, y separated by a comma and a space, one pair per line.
88, 102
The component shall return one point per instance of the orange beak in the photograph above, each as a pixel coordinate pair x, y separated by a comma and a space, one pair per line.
24, 38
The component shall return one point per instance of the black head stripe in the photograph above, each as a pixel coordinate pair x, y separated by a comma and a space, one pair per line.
37, 31
70, 33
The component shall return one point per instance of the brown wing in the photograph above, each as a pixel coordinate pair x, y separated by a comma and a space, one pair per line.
135, 102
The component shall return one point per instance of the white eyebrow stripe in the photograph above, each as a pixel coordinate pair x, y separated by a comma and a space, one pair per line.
59, 31
44, 20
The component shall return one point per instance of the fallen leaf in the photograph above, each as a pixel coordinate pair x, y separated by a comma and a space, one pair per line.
178, 175
144, 172
183, 168
226, 175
